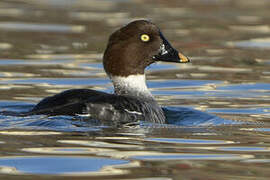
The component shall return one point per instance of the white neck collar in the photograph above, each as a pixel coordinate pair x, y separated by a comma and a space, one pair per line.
134, 85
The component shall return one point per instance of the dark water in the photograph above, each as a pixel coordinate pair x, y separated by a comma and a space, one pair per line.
218, 106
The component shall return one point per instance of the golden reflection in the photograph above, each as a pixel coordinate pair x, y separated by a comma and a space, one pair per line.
248, 129
203, 58
151, 178
110, 170
118, 138
251, 28
8, 170
98, 16
199, 75
11, 86
137, 133
29, 133
208, 87
5, 46
128, 154
173, 11
16, 74
65, 56
12, 12
107, 170
159, 156
236, 149
259, 115
99, 144
224, 69
249, 19
37, 27
95, 4
216, 52
119, 21
265, 39
256, 161
33, 99
182, 32
188, 141
67, 150
64, 72
205, 134
202, 108
265, 77
219, 102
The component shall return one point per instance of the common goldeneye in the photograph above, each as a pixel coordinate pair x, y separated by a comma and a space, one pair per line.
129, 51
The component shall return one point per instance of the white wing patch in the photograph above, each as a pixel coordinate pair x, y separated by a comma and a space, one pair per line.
133, 112
83, 115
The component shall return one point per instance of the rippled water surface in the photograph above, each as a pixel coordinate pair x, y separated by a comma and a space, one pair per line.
217, 106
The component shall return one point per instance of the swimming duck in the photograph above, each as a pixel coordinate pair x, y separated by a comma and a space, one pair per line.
129, 51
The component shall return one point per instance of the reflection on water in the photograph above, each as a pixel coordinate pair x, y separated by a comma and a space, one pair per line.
174, 157
217, 106
189, 141
10, 26
239, 148
67, 150
261, 43
100, 144
29, 133
60, 165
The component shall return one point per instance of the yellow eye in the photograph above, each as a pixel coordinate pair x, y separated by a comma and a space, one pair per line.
145, 38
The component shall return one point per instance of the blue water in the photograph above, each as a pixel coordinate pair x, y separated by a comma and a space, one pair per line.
58, 165
217, 106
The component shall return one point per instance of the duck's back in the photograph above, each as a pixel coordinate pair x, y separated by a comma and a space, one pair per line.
102, 106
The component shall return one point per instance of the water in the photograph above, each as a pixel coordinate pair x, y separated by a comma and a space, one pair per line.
217, 106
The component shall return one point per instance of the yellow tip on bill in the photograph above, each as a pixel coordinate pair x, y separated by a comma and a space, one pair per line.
183, 59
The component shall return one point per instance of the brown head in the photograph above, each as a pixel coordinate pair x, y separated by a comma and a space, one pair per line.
135, 46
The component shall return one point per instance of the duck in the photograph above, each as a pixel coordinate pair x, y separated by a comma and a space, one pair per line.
129, 51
